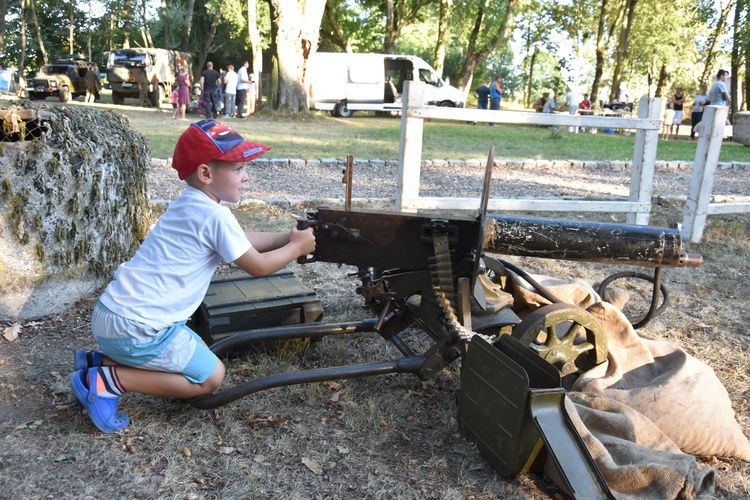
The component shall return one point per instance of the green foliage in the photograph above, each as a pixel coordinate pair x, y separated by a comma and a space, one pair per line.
363, 27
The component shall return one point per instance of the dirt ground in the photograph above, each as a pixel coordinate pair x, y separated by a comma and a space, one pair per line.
382, 437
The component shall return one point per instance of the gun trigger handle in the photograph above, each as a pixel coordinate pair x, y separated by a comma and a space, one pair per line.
303, 224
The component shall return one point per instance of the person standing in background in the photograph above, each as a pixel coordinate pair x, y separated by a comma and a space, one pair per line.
496, 94
719, 95
678, 102
91, 82
210, 79
243, 83
183, 91
482, 93
700, 102
230, 91
571, 100
175, 100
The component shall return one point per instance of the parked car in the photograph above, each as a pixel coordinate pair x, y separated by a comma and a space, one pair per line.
161, 66
63, 79
342, 83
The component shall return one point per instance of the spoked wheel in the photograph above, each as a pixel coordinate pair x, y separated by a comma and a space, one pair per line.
553, 331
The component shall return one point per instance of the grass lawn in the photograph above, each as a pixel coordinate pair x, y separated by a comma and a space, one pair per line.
365, 136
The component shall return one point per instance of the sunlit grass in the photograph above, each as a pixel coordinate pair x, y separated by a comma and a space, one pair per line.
367, 136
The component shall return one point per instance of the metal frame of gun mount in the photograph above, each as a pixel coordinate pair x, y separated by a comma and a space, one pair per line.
432, 272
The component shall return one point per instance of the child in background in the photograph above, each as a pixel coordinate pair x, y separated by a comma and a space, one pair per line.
175, 99
140, 319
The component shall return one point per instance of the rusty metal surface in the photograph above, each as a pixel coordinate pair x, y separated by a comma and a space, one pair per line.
631, 245
388, 240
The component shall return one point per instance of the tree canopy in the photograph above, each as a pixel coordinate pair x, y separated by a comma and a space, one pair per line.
595, 46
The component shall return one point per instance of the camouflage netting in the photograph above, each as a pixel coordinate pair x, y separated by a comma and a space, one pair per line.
73, 204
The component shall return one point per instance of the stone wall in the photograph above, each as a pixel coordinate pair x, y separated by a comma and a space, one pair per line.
73, 206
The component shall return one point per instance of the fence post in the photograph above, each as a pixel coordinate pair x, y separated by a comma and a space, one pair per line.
410, 145
702, 181
644, 156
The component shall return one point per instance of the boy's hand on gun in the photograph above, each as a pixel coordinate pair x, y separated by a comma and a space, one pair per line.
303, 239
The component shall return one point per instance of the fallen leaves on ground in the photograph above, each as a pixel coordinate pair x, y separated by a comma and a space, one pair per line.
312, 465
11, 332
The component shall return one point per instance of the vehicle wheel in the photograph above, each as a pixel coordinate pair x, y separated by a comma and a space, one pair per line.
553, 330
343, 111
157, 96
64, 94
117, 97
32, 96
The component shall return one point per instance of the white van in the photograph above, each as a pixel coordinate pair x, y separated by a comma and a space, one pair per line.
342, 83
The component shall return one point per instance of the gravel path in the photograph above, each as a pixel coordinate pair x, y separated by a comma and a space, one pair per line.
297, 180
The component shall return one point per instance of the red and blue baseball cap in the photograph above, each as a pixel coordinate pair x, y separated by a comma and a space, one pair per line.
209, 140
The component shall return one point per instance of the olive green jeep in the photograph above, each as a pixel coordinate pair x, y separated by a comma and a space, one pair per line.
63, 79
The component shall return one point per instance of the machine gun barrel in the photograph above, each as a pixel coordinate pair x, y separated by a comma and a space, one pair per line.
389, 240
645, 246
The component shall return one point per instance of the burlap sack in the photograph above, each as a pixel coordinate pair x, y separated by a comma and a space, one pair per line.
681, 395
635, 458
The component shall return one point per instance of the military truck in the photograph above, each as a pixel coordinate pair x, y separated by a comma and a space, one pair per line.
63, 79
124, 67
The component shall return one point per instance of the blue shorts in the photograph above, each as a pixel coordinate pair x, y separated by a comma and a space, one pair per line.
176, 349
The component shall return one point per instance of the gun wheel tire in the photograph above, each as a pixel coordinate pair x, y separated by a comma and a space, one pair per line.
555, 333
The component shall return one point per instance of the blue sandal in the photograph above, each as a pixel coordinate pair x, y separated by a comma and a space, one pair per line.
102, 411
80, 361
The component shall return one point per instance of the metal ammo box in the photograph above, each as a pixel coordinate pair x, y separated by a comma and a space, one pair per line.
242, 302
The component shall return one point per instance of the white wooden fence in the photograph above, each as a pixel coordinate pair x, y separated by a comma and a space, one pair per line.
638, 206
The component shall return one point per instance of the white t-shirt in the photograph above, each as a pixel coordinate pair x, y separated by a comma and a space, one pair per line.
242, 75
717, 94
168, 276
572, 99
230, 80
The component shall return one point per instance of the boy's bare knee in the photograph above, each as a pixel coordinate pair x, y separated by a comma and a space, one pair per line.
215, 379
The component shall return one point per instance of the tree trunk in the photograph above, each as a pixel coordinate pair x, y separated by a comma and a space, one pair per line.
398, 15
71, 20
338, 37
445, 12
736, 60
257, 48
145, 32
24, 18
389, 44
45, 57
3, 13
297, 24
126, 22
601, 46
88, 33
716, 38
165, 20
663, 79
203, 55
622, 47
476, 55
185, 43
531, 73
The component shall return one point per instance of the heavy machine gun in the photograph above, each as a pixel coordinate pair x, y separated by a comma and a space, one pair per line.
432, 272
436, 273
